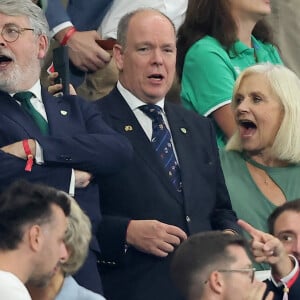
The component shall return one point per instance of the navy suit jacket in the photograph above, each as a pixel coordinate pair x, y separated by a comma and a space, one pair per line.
78, 139
84, 14
143, 191
294, 292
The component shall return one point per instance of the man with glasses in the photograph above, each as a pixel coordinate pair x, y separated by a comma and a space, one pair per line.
62, 142
215, 266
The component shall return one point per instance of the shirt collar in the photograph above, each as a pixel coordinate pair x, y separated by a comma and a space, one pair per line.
239, 47
133, 102
35, 89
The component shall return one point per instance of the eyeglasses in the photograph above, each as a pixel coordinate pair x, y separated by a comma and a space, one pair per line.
10, 32
246, 270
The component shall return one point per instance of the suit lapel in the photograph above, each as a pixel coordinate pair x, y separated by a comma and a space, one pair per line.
58, 112
126, 123
183, 141
13, 111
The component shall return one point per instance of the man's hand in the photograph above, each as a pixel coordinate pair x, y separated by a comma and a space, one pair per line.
154, 237
257, 292
55, 89
82, 179
267, 248
17, 149
85, 53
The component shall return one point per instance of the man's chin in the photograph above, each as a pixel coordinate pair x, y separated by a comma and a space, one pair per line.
42, 281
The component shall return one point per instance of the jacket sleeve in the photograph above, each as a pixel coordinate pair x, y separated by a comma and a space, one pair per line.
91, 146
223, 216
56, 13
13, 168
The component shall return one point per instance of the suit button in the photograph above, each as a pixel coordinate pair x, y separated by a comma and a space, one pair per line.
188, 219
65, 157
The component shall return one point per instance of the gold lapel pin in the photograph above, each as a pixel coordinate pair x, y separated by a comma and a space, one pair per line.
128, 128
183, 130
63, 112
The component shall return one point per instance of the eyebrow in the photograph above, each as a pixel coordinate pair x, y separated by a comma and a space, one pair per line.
285, 232
11, 24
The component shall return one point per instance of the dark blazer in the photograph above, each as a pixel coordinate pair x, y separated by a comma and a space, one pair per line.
84, 14
143, 191
294, 292
78, 139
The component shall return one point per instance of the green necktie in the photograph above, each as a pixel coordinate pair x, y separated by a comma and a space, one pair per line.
24, 99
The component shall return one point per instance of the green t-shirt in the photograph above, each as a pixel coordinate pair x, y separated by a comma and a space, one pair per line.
249, 203
209, 73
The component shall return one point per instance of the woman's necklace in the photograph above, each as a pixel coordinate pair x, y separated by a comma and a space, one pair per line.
259, 170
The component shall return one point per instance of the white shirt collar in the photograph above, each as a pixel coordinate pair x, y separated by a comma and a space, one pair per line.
133, 102
35, 89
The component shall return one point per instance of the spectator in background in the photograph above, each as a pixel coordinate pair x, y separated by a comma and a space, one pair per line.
59, 141
87, 17
76, 27
216, 266
261, 160
218, 39
169, 191
62, 285
280, 250
32, 229
284, 21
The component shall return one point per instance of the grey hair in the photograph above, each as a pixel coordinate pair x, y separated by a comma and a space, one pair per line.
77, 239
286, 86
27, 8
124, 23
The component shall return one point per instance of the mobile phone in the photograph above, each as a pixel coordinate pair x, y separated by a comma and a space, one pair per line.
106, 44
61, 65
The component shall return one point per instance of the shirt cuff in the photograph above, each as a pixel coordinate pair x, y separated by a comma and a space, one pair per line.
39, 156
60, 27
72, 184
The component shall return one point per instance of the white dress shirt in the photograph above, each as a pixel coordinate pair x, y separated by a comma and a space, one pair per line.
145, 121
174, 9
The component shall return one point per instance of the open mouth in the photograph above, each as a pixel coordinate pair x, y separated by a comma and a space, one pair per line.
158, 77
247, 128
4, 60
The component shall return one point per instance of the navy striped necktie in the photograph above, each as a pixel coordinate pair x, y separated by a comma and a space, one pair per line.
161, 141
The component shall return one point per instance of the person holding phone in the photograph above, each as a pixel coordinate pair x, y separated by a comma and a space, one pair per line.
59, 141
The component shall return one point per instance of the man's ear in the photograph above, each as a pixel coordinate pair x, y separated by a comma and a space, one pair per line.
216, 282
43, 46
35, 238
118, 56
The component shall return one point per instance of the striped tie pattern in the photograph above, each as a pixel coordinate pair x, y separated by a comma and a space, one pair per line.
161, 141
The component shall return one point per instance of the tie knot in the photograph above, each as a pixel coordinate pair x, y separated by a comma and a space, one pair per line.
152, 111
23, 96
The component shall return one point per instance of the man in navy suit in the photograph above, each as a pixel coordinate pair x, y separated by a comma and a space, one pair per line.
86, 16
145, 216
77, 145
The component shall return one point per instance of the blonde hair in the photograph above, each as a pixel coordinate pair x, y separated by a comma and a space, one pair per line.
77, 239
286, 86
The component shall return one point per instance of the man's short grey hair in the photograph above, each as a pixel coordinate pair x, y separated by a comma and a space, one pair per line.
27, 8
124, 23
